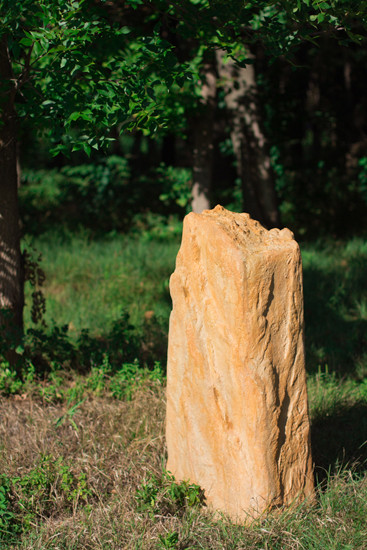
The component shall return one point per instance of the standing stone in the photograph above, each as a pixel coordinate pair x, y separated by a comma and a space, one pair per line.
237, 414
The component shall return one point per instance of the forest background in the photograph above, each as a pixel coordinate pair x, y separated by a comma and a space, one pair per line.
118, 118
264, 112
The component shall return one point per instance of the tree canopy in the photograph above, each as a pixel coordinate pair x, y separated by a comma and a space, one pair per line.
81, 67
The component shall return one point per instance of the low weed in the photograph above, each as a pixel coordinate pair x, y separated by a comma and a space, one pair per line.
8, 523
10, 383
47, 488
169, 540
63, 386
163, 495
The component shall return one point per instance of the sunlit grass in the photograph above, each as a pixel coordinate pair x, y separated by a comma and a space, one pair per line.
90, 282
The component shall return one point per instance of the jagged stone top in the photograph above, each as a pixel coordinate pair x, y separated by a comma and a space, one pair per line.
241, 227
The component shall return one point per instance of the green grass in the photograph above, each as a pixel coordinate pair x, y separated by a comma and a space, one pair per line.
89, 282
335, 292
83, 455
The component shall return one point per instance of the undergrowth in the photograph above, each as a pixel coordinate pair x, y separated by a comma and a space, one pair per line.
83, 467
64, 385
82, 432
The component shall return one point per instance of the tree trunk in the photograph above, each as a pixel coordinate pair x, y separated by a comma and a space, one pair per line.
11, 271
203, 131
248, 139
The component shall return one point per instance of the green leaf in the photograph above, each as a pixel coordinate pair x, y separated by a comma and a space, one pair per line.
86, 115
87, 149
26, 42
74, 69
74, 116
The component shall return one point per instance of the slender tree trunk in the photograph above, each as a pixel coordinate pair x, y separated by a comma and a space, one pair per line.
11, 271
203, 142
249, 141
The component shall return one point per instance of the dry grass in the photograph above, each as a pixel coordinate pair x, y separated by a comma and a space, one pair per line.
114, 443
117, 445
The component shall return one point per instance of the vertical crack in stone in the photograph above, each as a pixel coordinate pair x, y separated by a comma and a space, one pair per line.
270, 297
282, 427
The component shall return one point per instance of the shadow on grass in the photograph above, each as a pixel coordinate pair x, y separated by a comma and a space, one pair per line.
336, 328
340, 439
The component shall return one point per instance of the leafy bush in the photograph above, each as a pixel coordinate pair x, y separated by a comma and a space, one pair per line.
92, 195
176, 185
104, 196
46, 348
150, 226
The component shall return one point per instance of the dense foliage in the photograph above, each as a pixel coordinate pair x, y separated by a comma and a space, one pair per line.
88, 72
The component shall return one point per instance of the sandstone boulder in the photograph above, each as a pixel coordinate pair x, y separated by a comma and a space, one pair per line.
237, 414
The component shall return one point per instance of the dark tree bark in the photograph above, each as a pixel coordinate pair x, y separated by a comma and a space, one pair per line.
11, 271
168, 152
203, 141
249, 141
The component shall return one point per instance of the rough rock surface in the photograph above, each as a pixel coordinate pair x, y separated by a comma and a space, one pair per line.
237, 414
